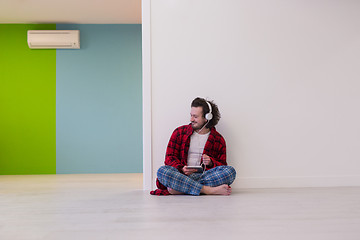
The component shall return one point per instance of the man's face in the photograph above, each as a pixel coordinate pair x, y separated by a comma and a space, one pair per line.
196, 118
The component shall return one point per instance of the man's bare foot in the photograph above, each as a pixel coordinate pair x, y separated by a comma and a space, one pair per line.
219, 190
174, 192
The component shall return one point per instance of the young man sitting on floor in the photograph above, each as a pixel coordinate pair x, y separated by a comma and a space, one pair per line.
196, 144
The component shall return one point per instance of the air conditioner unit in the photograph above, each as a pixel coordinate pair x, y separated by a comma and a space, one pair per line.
54, 39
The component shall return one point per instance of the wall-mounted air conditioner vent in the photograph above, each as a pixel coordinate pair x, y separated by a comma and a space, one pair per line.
54, 39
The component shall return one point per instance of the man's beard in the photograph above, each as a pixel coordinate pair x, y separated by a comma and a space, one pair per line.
197, 128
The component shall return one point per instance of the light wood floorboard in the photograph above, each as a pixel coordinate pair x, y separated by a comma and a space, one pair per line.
113, 206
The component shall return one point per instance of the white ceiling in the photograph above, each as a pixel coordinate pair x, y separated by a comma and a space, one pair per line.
71, 11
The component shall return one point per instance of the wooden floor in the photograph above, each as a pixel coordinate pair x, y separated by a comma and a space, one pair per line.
113, 206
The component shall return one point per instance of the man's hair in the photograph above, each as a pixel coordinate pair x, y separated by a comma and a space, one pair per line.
201, 102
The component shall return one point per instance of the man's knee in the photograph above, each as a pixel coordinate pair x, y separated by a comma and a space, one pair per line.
229, 169
163, 170
232, 173
229, 172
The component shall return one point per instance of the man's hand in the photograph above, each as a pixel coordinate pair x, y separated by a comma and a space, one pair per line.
188, 171
207, 160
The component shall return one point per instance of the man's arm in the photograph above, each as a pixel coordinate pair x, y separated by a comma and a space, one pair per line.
172, 157
219, 156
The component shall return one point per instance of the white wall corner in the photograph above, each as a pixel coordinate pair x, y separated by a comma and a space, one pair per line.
146, 88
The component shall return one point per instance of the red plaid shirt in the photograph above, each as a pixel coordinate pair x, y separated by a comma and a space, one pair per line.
178, 148
179, 144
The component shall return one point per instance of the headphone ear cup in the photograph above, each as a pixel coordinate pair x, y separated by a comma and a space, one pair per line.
208, 116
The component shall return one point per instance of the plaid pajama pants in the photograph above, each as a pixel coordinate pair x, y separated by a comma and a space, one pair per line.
192, 184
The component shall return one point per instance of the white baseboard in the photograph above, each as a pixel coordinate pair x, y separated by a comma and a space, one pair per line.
296, 182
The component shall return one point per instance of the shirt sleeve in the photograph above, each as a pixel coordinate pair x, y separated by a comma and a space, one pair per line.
219, 158
172, 157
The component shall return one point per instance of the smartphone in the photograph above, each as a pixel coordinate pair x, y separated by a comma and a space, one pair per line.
198, 168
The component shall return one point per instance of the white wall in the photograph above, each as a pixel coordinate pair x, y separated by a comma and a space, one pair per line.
286, 77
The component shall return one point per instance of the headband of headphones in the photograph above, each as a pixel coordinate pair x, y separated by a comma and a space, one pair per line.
209, 115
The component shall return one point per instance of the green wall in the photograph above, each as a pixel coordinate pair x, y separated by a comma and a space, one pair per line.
27, 103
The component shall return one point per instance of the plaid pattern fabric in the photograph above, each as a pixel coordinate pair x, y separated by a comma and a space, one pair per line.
192, 184
176, 157
179, 144
160, 192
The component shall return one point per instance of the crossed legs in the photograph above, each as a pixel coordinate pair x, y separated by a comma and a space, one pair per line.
214, 181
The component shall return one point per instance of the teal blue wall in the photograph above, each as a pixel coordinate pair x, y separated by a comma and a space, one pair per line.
99, 101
